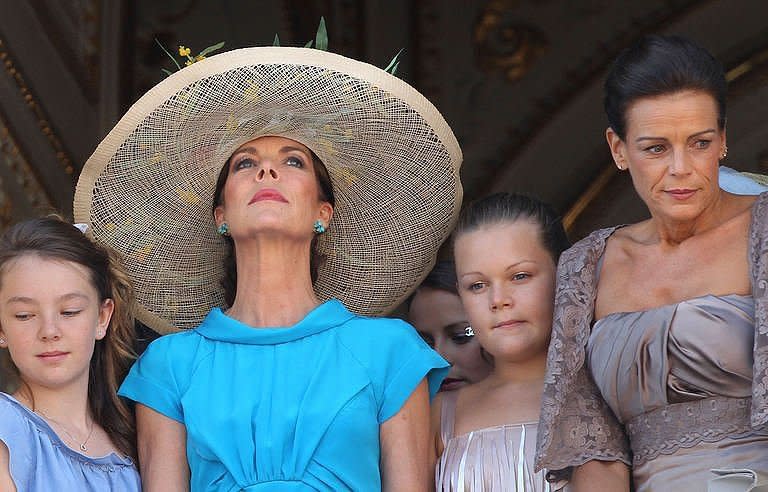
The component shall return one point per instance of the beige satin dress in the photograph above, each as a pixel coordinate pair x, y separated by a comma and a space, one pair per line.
498, 458
679, 378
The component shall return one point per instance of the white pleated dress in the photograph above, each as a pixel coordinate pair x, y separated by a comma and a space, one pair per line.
498, 458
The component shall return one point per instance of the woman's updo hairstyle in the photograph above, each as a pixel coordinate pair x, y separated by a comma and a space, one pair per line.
511, 207
658, 65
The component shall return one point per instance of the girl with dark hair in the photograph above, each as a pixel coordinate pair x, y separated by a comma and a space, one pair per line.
659, 351
66, 320
506, 247
435, 310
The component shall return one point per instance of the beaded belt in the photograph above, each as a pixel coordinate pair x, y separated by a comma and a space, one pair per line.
683, 425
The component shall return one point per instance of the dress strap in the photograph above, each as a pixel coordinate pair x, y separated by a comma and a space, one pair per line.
448, 415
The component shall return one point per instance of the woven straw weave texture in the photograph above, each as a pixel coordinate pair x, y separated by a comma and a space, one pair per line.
147, 190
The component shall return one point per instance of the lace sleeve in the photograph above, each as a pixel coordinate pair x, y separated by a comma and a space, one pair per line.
576, 425
758, 259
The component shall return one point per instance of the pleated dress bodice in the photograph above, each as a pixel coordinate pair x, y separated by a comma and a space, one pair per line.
498, 458
679, 378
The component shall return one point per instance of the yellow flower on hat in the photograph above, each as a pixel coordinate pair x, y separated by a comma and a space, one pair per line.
251, 93
184, 51
188, 196
158, 158
142, 253
346, 175
232, 124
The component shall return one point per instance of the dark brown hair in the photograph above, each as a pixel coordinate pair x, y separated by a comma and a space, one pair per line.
52, 238
510, 207
441, 277
316, 259
658, 65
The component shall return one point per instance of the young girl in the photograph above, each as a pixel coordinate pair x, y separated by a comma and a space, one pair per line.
436, 312
506, 249
66, 321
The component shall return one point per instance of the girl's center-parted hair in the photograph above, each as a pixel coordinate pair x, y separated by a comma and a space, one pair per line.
511, 207
316, 259
53, 239
657, 65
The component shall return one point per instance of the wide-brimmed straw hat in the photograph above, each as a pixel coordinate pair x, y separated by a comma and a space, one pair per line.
147, 190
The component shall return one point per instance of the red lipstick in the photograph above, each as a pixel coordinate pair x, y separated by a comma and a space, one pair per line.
267, 194
450, 384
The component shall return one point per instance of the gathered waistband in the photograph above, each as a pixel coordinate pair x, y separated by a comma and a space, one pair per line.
683, 425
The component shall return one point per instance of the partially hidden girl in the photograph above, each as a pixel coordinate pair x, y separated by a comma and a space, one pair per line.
436, 312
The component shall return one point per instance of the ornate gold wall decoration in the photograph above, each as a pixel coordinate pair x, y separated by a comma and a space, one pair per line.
15, 165
14, 161
504, 45
32, 104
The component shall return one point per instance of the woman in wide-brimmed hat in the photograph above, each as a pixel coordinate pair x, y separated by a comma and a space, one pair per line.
332, 183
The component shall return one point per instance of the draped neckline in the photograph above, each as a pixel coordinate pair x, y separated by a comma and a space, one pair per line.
669, 305
218, 326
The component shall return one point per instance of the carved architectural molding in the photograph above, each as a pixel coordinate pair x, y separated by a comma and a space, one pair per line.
75, 27
17, 175
32, 103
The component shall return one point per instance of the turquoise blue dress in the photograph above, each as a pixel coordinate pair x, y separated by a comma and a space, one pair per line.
288, 409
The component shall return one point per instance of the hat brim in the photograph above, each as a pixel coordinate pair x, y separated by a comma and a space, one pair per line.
147, 190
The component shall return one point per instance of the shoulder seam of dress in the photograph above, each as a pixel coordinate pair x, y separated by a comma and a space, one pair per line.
354, 356
196, 363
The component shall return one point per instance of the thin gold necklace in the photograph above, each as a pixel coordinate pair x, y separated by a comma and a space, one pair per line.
83, 444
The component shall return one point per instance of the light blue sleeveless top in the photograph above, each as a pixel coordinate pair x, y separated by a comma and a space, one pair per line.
41, 462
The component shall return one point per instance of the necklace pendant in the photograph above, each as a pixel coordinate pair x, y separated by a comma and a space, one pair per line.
83, 447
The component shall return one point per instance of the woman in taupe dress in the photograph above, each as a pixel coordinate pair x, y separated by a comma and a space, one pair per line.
658, 366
